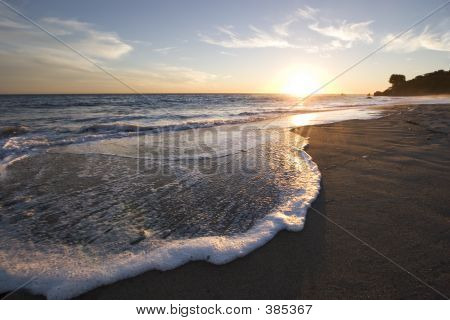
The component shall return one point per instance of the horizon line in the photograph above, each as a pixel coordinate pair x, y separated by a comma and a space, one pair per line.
174, 93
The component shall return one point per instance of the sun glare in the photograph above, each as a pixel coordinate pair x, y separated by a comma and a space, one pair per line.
304, 119
300, 84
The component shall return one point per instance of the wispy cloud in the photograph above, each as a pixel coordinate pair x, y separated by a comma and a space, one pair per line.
167, 78
30, 61
140, 42
84, 37
68, 25
412, 41
33, 62
87, 39
345, 32
165, 50
258, 38
226, 53
10, 24
307, 13
282, 28
184, 74
342, 33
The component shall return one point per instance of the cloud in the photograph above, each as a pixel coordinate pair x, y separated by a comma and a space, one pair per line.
307, 13
31, 61
184, 75
226, 53
282, 28
30, 56
167, 78
165, 50
68, 25
85, 38
16, 35
140, 42
49, 70
165, 74
227, 38
344, 31
10, 24
412, 41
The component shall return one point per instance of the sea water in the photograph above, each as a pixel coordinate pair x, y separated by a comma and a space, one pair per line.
98, 188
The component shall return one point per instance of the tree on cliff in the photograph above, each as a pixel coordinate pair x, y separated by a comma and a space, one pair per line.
397, 79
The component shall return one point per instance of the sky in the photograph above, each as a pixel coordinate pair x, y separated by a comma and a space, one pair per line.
252, 46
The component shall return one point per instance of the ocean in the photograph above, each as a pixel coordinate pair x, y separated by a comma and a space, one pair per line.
98, 188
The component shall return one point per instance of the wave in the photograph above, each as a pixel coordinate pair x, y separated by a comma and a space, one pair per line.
9, 160
135, 128
108, 119
72, 270
118, 127
267, 112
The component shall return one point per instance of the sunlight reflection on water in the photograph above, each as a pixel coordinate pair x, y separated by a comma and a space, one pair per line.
323, 117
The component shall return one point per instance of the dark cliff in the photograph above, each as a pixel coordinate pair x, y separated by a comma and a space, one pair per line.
437, 82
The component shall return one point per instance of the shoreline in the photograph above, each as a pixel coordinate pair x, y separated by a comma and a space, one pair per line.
399, 169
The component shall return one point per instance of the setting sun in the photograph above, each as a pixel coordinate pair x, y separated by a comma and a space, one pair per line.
300, 84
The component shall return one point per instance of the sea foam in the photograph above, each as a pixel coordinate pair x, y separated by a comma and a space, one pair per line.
67, 271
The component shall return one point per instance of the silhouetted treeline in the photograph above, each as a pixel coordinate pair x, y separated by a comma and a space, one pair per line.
437, 82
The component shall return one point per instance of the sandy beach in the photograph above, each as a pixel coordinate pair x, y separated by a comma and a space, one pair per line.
378, 230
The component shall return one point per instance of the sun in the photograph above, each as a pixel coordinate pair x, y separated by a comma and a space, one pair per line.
300, 84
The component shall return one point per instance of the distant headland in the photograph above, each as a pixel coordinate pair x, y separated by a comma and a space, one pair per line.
437, 82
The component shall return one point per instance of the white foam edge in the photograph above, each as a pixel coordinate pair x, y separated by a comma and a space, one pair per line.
9, 160
63, 284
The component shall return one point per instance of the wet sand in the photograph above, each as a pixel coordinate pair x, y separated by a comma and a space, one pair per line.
385, 184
